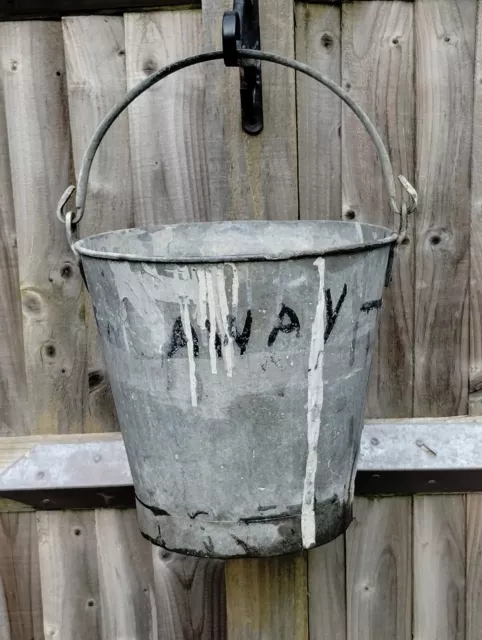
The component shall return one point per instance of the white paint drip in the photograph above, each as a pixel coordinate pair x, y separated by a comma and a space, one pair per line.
315, 404
235, 290
212, 322
186, 325
202, 307
228, 348
249, 293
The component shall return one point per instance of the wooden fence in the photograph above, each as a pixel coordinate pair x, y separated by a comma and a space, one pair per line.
408, 566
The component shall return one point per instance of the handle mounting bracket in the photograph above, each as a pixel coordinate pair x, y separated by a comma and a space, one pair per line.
241, 31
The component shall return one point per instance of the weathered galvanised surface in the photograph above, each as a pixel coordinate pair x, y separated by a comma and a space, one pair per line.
239, 356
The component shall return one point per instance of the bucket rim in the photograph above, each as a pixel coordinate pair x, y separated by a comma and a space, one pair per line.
390, 239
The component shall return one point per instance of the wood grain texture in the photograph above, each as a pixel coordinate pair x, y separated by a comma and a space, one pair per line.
12, 363
125, 573
190, 597
256, 177
473, 560
475, 371
20, 577
318, 43
166, 128
53, 309
377, 69
326, 589
252, 176
4, 621
473, 596
378, 566
170, 185
445, 35
439, 567
96, 80
267, 598
69, 575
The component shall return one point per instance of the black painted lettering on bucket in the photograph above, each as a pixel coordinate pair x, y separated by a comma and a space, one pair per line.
287, 322
371, 304
179, 340
332, 314
217, 339
241, 339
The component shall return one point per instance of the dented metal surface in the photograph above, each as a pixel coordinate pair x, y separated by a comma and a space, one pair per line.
240, 386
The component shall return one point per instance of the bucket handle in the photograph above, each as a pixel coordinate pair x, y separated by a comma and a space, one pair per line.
72, 218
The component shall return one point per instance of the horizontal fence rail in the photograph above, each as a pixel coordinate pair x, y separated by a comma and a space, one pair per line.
397, 457
36, 9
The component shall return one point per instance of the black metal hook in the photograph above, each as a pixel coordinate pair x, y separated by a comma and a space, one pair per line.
241, 31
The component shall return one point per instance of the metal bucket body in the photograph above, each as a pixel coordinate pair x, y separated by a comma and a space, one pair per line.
240, 382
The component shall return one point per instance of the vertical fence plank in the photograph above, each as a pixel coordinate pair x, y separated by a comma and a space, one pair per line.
39, 143
473, 596
252, 176
326, 589
475, 371
318, 112
68, 569
267, 598
190, 597
20, 577
125, 577
32, 61
96, 80
170, 185
445, 34
379, 576
12, 363
439, 567
317, 42
4, 620
256, 177
166, 127
377, 69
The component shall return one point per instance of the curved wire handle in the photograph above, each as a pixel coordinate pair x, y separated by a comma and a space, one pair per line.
73, 218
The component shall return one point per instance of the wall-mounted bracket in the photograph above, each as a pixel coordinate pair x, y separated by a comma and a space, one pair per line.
241, 31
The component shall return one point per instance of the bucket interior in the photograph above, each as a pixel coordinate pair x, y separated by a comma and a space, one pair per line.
243, 240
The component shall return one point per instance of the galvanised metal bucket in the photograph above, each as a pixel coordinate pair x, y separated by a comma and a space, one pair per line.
239, 356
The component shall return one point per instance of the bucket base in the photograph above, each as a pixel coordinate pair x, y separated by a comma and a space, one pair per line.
249, 538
